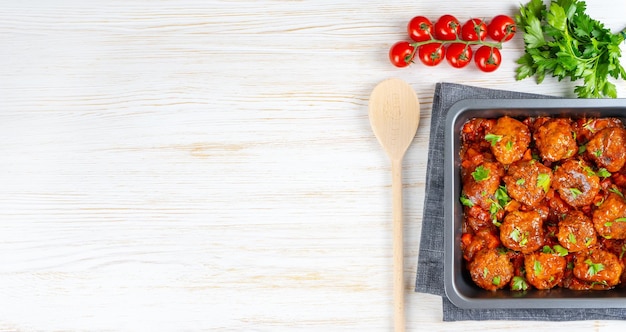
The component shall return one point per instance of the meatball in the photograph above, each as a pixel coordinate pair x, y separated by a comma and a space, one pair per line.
607, 148
491, 269
481, 184
598, 266
527, 181
509, 140
555, 140
610, 218
544, 270
576, 232
522, 231
586, 128
576, 183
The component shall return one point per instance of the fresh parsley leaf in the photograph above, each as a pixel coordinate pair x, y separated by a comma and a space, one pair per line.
597, 153
515, 235
480, 173
602, 172
594, 268
537, 267
496, 280
616, 191
543, 181
502, 196
560, 250
571, 238
493, 139
466, 201
519, 284
575, 192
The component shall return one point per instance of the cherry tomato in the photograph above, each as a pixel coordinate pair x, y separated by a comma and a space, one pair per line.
458, 55
420, 28
431, 54
487, 58
501, 28
473, 30
447, 27
401, 54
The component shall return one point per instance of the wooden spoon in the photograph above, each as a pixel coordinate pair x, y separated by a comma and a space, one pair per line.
394, 113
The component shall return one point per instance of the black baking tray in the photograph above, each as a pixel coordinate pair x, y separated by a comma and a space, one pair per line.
459, 287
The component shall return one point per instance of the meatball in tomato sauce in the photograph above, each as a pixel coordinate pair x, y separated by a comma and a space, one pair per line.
528, 181
544, 270
598, 266
481, 183
576, 232
522, 231
555, 140
509, 140
609, 218
491, 269
607, 148
576, 182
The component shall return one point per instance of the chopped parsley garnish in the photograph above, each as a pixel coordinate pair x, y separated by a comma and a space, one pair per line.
502, 196
571, 238
560, 250
594, 268
520, 237
466, 201
575, 192
480, 173
588, 170
597, 153
537, 268
616, 191
519, 284
493, 139
520, 181
556, 249
602, 172
543, 181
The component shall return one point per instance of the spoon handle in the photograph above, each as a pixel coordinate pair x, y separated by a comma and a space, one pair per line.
398, 244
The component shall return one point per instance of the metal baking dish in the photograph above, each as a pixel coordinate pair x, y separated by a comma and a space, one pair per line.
459, 287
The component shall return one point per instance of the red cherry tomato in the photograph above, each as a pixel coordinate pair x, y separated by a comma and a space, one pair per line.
431, 54
447, 27
473, 30
420, 28
487, 58
458, 55
401, 54
501, 28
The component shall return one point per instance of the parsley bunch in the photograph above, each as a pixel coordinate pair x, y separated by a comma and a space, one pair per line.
565, 42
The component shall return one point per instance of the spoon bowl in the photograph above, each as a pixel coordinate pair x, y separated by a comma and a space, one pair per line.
394, 114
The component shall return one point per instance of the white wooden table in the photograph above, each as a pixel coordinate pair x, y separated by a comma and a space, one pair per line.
199, 165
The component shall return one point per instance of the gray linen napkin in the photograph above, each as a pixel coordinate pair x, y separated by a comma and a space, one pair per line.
430, 262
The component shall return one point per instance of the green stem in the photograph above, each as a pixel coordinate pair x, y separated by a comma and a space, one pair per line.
457, 40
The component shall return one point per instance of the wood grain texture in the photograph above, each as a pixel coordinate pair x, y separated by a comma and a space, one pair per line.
209, 165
